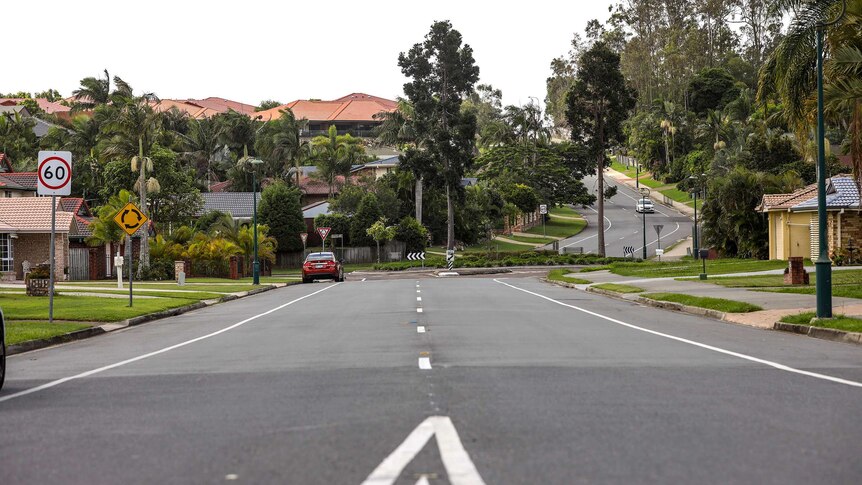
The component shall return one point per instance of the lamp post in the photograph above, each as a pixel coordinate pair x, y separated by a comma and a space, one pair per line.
256, 265
696, 236
823, 266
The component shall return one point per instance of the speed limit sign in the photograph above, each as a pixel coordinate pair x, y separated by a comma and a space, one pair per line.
55, 173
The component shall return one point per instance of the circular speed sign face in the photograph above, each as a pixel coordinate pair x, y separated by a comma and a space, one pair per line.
55, 173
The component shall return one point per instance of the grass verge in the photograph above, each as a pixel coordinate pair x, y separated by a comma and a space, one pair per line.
557, 227
690, 267
17, 332
83, 308
839, 322
720, 304
560, 275
619, 288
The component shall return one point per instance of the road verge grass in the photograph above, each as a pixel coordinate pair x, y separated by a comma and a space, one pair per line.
690, 267
618, 288
719, 304
22, 331
83, 308
839, 322
560, 275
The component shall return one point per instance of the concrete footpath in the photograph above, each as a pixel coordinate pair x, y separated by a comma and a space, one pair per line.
775, 305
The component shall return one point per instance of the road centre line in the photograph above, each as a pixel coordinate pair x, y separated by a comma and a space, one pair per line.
419, 310
713, 348
425, 363
420, 329
57, 382
418, 298
610, 224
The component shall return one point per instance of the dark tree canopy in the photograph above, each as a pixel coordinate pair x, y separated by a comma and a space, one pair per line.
280, 209
599, 101
712, 88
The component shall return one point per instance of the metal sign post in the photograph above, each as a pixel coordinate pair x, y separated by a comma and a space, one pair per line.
644, 193
54, 178
323, 231
130, 219
543, 210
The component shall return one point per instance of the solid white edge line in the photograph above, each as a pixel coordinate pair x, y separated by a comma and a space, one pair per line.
425, 363
720, 350
57, 382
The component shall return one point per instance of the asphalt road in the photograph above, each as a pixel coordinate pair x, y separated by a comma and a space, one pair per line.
528, 383
624, 226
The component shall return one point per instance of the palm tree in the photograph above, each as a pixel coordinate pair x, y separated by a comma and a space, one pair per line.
280, 143
202, 145
335, 155
93, 92
398, 130
789, 73
105, 230
17, 139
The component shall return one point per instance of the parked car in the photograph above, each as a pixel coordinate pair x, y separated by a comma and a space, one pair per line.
644, 205
322, 266
2, 348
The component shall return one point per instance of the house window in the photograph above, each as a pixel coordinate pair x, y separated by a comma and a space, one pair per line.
7, 193
7, 261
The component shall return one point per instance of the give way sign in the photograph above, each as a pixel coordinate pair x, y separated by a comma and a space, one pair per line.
323, 231
55, 173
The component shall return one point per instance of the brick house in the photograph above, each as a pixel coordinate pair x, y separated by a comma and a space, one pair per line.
794, 225
25, 235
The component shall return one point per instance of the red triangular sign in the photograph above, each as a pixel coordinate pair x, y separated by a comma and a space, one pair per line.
323, 231
303, 236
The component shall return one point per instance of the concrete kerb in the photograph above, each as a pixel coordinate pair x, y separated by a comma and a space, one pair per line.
820, 332
131, 322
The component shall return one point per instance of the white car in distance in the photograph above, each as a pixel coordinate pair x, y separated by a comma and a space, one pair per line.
644, 205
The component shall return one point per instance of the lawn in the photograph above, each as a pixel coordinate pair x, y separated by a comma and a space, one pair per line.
839, 322
619, 167
217, 288
557, 227
846, 283
83, 308
690, 267
677, 195
560, 275
531, 239
564, 211
843, 291
651, 183
183, 295
619, 288
720, 304
21, 331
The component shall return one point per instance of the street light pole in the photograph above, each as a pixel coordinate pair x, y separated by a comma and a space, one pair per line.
643, 213
694, 241
256, 267
823, 266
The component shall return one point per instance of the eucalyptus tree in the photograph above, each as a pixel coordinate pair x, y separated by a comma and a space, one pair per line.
442, 73
598, 103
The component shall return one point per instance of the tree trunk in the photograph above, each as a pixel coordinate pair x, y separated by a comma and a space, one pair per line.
450, 221
601, 181
419, 200
145, 237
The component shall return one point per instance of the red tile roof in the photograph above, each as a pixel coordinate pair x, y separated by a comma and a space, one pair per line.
221, 186
221, 105
353, 107
49, 107
24, 180
31, 214
772, 202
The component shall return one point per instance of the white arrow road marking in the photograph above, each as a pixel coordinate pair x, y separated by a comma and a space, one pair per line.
423, 480
695, 343
51, 384
459, 468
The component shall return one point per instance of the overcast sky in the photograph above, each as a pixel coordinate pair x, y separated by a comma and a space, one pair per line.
251, 50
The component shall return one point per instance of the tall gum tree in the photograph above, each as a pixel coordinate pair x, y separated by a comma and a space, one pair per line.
597, 104
442, 72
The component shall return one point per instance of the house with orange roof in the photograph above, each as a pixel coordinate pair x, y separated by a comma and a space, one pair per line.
794, 225
25, 236
354, 114
49, 107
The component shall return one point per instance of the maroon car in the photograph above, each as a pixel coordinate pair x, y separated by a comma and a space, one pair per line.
319, 266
